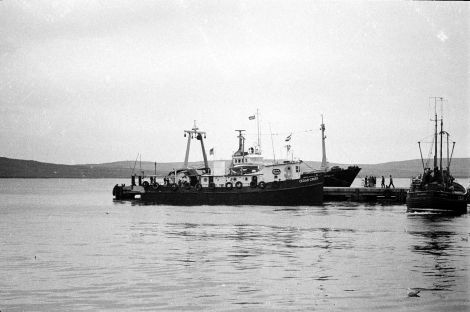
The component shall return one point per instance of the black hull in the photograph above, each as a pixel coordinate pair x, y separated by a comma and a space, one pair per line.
436, 201
308, 191
340, 177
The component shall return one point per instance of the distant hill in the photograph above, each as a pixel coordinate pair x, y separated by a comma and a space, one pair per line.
460, 168
17, 168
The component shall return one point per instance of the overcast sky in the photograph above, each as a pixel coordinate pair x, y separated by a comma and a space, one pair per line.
100, 81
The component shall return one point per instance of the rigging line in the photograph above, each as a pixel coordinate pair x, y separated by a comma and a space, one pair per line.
281, 133
308, 166
429, 156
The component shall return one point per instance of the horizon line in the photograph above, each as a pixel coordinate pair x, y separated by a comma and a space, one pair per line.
169, 162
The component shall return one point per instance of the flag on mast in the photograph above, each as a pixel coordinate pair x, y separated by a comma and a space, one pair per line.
211, 151
288, 137
252, 117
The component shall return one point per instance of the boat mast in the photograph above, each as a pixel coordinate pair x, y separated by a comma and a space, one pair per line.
272, 143
435, 136
448, 160
324, 164
451, 154
440, 161
199, 136
257, 124
421, 153
188, 145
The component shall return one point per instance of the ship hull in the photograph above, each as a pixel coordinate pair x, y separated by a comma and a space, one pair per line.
307, 191
436, 201
341, 177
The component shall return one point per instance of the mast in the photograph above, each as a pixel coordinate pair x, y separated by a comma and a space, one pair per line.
188, 145
440, 161
421, 153
199, 136
435, 135
451, 154
324, 164
206, 164
257, 124
448, 160
272, 143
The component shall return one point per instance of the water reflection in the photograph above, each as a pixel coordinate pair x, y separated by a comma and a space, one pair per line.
435, 237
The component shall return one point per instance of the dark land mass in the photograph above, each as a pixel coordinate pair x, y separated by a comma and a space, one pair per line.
17, 168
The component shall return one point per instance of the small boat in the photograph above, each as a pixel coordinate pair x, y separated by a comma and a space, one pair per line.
335, 176
248, 182
435, 190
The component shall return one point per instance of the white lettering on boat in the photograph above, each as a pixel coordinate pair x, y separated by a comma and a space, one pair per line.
308, 179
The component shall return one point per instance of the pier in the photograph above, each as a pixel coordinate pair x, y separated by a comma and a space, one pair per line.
365, 194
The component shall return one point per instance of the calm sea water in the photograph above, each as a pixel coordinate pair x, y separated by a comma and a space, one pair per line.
67, 246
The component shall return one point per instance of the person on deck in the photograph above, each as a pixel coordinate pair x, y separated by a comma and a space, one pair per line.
391, 182
383, 182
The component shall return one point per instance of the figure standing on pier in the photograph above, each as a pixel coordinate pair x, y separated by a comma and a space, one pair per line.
391, 182
383, 182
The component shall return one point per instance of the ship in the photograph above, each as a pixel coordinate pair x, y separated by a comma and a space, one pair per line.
249, 181
335, 176
435, 190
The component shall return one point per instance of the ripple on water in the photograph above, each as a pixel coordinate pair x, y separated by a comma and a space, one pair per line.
341, 256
